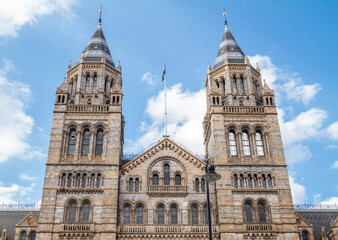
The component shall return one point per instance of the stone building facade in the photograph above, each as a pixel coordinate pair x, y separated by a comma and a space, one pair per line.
90, 192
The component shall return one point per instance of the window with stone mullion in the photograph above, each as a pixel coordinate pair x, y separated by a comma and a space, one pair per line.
246, 144
233, 144
259, 144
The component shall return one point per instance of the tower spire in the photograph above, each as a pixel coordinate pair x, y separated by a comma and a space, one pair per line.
225, 18
100, 19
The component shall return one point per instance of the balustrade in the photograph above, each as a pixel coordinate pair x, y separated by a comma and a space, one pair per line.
259, 227
87, 108
167, 190
243, 109
167, 229
78, 227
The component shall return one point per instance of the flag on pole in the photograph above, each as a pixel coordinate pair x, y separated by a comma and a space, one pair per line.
163, 73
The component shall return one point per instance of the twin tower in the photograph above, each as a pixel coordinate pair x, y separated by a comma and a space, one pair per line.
91, 192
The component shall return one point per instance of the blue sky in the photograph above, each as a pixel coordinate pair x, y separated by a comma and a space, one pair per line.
294, 42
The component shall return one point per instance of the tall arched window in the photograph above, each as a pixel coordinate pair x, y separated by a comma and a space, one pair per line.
259, 144
160, 214
139, 214
269, 181
248, 212
74, 87
203, 185
197, 185
263, 180
32, 236
206, 215
23, 235
194, 214
155, 179
234, 84
84, 180
94, 83
70, 179
85, 212
131, 185
63, 180
87, 83
137, 185
246, 144
78, 179
233, 145
178, 179
173, 215
71, 212
249, 181
235, 181
305, 235
98, 182
126, 214
166, 174
72, 142
99, 142
85, 141
241, 83
106, 86
262, 212
241, 181
92, 180
255, 181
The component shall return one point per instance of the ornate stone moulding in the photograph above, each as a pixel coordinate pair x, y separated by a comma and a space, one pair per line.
79, 191
255, 191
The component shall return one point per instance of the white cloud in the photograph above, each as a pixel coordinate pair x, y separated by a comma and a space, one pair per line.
332, 130
14, 192
297, 190
287, 84
330, 201
335, 164
185, 115
14, 14
15, 124
297, 153
26, 177
150, 78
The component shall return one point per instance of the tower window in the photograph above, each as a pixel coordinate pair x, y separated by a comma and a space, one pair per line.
259, 144
234, 85
173, 215
194, 214
87, 83
84, 180
98, 182
85, 141
235, 181
241, 180
106, 86
155, 179
63, 180
305, 235
160, 214
166, 174
269, 181
264, 181
202, 185
206, 215
131, 185
246, 144
197, 185
78, 178
261, 212
248, 212
23, 235
72, 142
85, 212
126, 214
71, 212
137, 185
255, 181
99, 142
70, 178
95, 83
139, 214
92, 181
233, 145
250, 181
32, 236
178, 179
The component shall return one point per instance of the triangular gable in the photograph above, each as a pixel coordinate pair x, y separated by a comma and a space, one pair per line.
29, 221
164, 144
302, 222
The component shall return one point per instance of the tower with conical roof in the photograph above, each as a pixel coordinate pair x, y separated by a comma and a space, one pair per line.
80, 193
242, 136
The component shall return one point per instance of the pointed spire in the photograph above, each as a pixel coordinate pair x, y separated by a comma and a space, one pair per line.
100, 19
209, 67
119, 68
70, 64
257, 68
228, 49
247, 61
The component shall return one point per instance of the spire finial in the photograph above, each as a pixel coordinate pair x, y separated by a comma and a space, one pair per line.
100, 19
225, 18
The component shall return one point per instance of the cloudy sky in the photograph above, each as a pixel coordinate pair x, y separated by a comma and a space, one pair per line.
295, 44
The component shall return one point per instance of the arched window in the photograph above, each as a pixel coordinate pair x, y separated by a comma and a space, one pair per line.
235, 181
85, 141
262, 212
98, 182
203, 185
94, 83
74, 87
99, 142
255, 181
126, 214
139, 214
271, 101
305, 235
113, 99
89, 101
259, 144
70, 178
267, 101
85, 212
92, 181
155, 179
78, 179
160, 214
197, 185
269, 181
233, 145
246, 144
241, 83
117, 99
71, 212
234, 84
63, 180
240, 103
72, 142
173, 215
241, 180
248, 212
131, 185
249, 181
87, 83
166, 174
194, 214
23, 235
206, 215
84, 180
137, 185
178, 179
32, 236
263, 180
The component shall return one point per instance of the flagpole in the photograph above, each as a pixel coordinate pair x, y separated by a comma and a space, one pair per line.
165, 105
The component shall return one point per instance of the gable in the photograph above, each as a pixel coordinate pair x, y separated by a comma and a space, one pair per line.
29, 221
